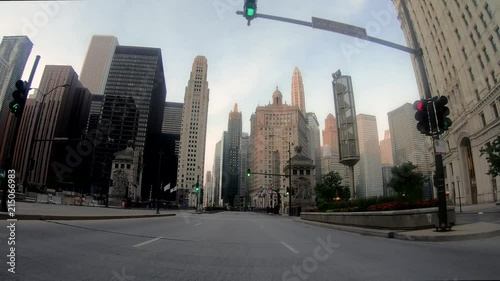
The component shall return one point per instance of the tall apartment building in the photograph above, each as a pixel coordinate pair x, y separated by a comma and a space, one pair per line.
369, 169
132, 110
460, 42
314, 143
234, 127
193, 132
276, 127
386, 148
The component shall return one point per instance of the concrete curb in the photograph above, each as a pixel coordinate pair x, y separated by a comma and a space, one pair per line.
359, 230
449, 238
404, 235
59, 217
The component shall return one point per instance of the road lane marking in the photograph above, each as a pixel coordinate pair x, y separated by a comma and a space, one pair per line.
290, 247
147, 242
198, 224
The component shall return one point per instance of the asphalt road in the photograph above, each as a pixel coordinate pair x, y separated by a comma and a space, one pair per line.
232, 246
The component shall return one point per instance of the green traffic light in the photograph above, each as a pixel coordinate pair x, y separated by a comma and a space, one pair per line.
250, 12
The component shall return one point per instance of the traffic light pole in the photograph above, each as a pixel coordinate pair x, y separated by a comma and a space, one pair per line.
12, 145
357, 32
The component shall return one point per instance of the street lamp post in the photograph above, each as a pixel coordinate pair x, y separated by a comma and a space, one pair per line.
31, 161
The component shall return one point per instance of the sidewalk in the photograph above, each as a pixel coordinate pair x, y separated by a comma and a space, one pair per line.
475, 222
38, 211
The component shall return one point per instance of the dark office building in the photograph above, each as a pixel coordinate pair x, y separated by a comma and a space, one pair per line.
170, 140
233, 156
95, 112
132, 109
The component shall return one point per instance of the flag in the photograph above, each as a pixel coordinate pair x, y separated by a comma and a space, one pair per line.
166, 187
173, 189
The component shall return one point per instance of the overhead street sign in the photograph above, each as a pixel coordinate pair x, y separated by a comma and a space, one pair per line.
338, 27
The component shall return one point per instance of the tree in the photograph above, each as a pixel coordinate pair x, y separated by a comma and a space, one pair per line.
492, 152
407, 182
330, 188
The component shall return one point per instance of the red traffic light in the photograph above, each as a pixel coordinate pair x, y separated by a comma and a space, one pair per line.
419, 105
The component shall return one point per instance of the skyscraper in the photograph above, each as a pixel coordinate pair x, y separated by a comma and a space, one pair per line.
408, 145
314, 143
231, 190
461, 61
369, 168
64, 114
97, 63
298, 98
132, 110
172, 118
217, 174
14, 53
193, 132
386, 147
330, 136
276, 128
245, 155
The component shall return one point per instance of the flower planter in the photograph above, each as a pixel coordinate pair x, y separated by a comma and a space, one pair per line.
402, 219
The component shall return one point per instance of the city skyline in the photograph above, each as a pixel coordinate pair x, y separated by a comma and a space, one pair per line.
277, 48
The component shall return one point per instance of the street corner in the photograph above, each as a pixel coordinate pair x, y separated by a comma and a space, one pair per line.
472, 231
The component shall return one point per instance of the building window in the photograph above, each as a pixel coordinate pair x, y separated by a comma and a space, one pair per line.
458, 4
451, 169
472, 39
483, 120
487, 80
494, 109
493, 77
465, 20
481, 16
458, 34
476, 29
497, 30
480, 61
464, 52
486, 54
451, 18
468, 11
475, 2
471, 74
493, 45
488, 10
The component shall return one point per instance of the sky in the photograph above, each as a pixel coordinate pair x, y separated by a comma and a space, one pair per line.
245, 63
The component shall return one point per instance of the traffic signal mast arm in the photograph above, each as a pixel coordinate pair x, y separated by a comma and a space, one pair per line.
253, 173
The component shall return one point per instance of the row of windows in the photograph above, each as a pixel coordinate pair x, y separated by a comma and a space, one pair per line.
494, 112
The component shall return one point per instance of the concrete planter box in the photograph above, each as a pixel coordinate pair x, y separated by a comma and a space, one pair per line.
404, 219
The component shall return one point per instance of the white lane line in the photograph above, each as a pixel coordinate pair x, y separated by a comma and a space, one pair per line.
198, 224
147, 242
290, 248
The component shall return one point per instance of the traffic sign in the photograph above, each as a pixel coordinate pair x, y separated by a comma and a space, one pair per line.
338, 27
440, 147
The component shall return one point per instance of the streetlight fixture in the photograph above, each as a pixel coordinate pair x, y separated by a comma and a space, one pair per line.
31, 161
289, 173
